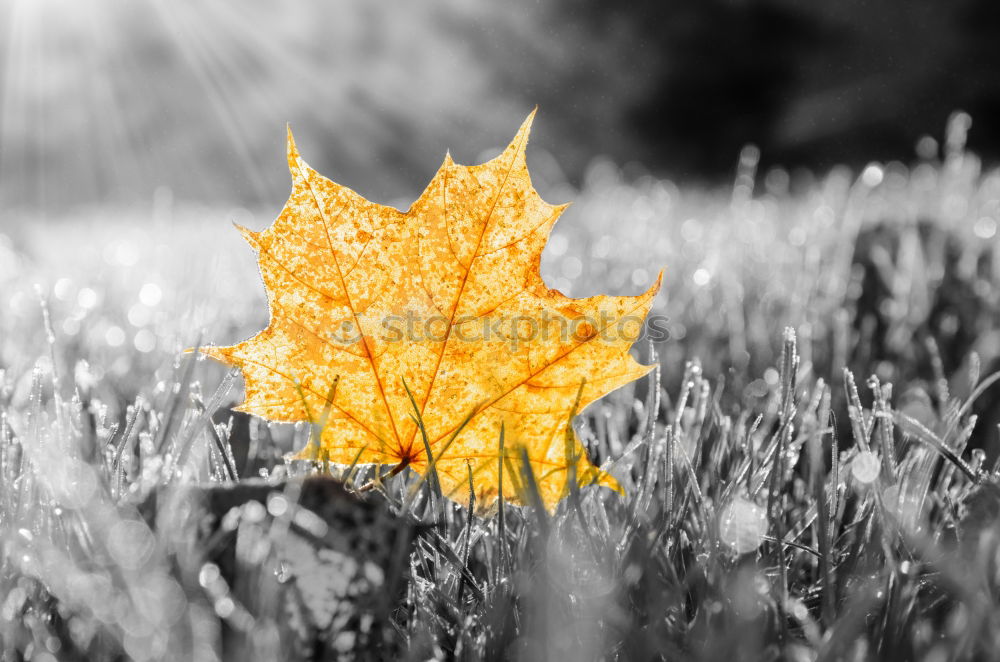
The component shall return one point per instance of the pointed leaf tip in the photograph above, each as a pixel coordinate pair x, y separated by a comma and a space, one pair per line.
249, 235
519, 143
530, 119
221, 354
292, 152
525, 131
659, 281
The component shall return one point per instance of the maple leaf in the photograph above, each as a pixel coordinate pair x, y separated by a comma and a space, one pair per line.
434, 322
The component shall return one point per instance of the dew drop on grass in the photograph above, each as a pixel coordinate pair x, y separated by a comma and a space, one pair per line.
743, 525
985, 228
225, 607
865, 467
208, 575
872, 175
277, 505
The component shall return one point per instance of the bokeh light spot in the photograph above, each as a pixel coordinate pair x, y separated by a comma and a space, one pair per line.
87, 298
150, 294
144, 341
114, 336
743, 525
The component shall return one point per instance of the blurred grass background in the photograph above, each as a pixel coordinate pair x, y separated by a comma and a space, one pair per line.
871, 268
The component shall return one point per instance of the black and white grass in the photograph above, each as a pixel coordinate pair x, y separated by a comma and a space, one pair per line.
810, 474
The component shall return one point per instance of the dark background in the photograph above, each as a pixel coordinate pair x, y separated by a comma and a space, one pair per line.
108, 102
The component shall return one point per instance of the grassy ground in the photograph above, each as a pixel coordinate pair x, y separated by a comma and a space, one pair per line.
810, 474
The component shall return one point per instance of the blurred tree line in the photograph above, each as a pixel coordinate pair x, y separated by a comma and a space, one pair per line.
812, 84
107, 102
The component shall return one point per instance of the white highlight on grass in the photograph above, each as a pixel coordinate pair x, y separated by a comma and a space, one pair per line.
701, 277
743, 525
150, 294
907, 506
865, 467
84, 376
872, 175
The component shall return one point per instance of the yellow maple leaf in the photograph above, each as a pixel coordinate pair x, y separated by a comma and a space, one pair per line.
383, 319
